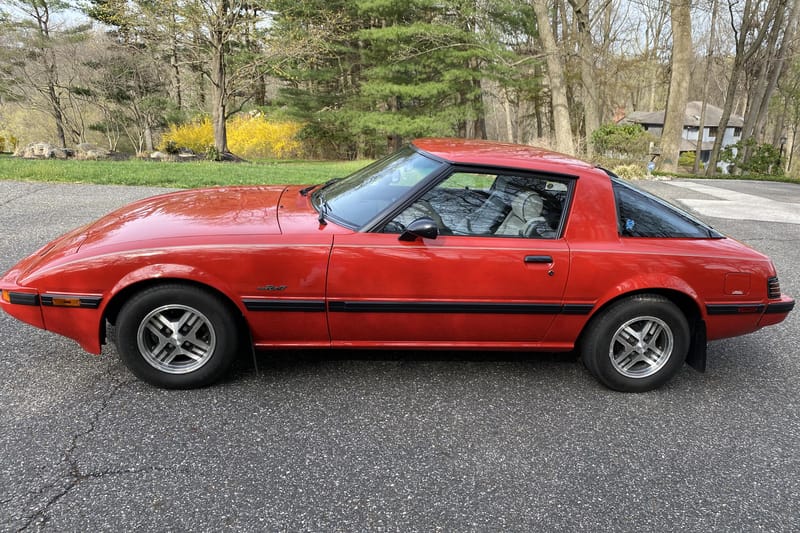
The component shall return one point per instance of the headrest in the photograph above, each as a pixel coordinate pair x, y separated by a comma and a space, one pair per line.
527, 205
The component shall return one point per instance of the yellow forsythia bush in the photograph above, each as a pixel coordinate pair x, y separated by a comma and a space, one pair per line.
197, 136
250, 137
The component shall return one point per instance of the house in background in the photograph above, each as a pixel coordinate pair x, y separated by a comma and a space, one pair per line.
653, 122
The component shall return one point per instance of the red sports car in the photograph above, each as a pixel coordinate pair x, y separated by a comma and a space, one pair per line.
446, 244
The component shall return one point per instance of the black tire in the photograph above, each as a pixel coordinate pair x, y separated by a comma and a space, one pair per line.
637, 344
177, 336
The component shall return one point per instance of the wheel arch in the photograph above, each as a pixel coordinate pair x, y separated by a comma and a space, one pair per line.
691, 309
117, 301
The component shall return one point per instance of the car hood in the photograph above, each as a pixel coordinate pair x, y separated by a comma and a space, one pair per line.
206, 213
203, 217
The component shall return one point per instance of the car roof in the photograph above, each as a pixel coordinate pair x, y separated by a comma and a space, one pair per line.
497, 154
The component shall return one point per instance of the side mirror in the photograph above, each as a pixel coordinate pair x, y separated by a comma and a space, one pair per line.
423, 227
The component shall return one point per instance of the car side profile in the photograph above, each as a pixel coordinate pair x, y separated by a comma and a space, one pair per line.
446, 244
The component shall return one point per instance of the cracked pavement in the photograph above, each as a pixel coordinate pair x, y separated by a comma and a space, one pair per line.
393, 441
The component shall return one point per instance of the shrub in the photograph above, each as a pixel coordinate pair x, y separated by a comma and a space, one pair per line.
255, 137
249, 136
628, 140
629, 172
197, 136
764, 158
8, 143
687, 159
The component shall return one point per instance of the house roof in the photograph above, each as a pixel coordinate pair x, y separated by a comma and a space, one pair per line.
713, 116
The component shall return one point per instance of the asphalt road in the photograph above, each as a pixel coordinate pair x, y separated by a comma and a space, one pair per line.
400, 441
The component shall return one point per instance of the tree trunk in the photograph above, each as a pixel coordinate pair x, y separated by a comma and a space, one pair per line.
763, 87
41, 13
218, 103
776, 66
709, 53
506, 99
591, 116
555, 73
219, 82
682, 57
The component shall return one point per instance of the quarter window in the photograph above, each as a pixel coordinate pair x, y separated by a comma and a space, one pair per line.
643, 215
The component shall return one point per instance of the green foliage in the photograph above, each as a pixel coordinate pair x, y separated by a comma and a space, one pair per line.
171, 147
629, 172
627, 140
763, 159
212, 154
687, 159
8, 143
364, 74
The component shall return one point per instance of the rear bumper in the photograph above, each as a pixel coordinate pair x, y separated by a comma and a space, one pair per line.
776, 311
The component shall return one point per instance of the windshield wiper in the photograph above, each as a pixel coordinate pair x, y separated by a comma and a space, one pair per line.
306, 190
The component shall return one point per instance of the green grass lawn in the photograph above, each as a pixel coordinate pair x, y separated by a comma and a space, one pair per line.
203, 173
179, 175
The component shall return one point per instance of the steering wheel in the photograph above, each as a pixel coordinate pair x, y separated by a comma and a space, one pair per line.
425, 207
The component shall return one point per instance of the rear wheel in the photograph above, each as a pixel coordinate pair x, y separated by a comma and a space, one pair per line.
177, 336
637, 344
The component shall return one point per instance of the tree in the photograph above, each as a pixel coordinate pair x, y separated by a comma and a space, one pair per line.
366, 75
675, 114
423, 70
555, 74
750, 29
770, 60
32, 72
706, 75
586, 54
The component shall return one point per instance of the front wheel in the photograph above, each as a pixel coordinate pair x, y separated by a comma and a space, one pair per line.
637, 344
177, 336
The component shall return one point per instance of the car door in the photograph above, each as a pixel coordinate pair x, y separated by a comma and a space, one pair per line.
490, 279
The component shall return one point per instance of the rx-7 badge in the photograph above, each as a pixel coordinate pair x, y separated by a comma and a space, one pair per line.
272, 288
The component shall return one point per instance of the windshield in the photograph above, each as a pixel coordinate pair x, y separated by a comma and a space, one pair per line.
360, 197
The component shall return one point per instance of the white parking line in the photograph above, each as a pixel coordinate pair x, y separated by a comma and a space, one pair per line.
739, 206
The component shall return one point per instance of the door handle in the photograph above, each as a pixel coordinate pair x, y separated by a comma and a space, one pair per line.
538, 259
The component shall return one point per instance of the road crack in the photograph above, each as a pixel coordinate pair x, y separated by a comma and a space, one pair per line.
14, 198
74, 474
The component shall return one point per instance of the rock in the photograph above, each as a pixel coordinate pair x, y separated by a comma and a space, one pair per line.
42, 150
161, 156
88, 151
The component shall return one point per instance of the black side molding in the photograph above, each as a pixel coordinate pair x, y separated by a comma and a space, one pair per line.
734, 309
258, 304
23, 298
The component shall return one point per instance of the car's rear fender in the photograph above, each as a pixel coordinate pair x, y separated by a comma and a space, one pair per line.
674, 289
696, 358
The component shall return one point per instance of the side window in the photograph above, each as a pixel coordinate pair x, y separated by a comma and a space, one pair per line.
491, 205
641, 215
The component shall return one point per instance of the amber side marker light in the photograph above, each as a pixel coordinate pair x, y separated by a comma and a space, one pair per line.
66, 302
6, 296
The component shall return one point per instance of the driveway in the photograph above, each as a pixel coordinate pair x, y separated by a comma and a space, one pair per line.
354, 441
